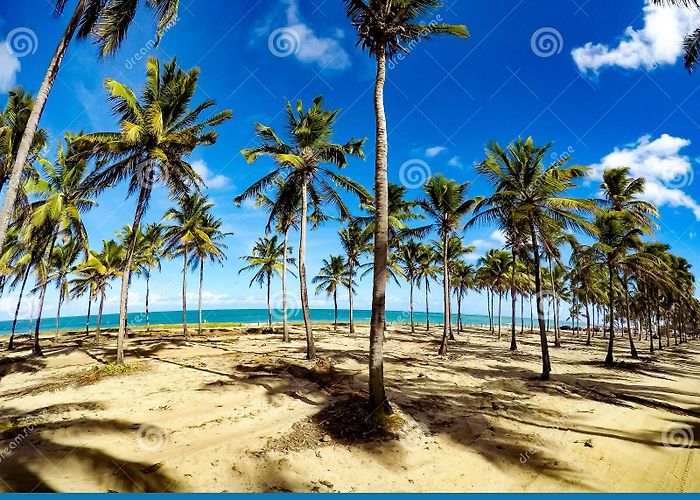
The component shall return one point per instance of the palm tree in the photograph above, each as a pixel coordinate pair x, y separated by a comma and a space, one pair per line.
496, 269
333, 274
266, 259
462, 279
156, 134
427, 271
409, 255
96, 273
107, 22
455, 251
400, 211
16, 263
355, 243
149, 257
13, 121
691, 44
622, 193
186, 232
385, 28
212, 248
446, 203
299, 164
534, 193
62, 263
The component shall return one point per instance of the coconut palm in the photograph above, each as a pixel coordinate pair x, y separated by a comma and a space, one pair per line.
455, 251
428, 271
534, 194
400, 212
210, 249
107, 22
496, 270
149, 256
186, 232
15, 267
622, 193
333, 274
462, 280
157, 132
62, 263
266, 260
385, 28
300, 164
409, 255
446, 203
355, 243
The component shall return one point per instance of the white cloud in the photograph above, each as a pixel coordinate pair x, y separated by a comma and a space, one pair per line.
497, 239
659, 161
9, 67
455, 162
659, 41
435, 151
212, 181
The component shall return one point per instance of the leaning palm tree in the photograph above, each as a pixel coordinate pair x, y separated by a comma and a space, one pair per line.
265, 260
446, 203
107, 22
156, 134
333, 274
386, 28
187, 231
355, 243
533, 193
691, 44
300, 165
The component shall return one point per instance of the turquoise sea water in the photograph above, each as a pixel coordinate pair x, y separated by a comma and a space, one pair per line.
247, 316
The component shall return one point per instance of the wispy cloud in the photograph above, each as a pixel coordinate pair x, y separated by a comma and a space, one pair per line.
9, 67
435, 151
212, 181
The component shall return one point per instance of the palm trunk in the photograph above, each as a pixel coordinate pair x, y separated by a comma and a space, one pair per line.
522, 314
500, 312
33, 121
11, 344
148, 292
611, 291
588, 324
514, 300
269, 302
184, 289
98, 327
285, 324
310, 347
42, 296
126, 274
351, 277
445, 298
201, 283
633, 349
378, 402
546, 364
555, 305
410, 304
427, 308
335, 310
459, 312
89, 310
61, 297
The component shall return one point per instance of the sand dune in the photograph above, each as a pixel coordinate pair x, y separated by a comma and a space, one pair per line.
237, 411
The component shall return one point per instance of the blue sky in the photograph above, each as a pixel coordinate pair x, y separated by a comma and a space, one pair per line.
601, 80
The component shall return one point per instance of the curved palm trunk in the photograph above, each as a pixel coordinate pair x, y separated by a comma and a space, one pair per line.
310, 347
285, 324
546, 364
37, 326
377, 394
98, 327
269, 304
410, 304
89, 310
148, 293
11, 344
335, 310
611, 292
61, 298
427, 307
126, 274
446, 299
25, 144
199, 305
184, 289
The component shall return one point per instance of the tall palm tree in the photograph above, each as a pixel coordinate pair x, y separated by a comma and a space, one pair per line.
107, 22
266, 259
16, 262
385, 28
299, 163
534, 194
157, 132
333, 274
409, 255
496, 269
62, 263
355, 243
187, 230
446, 203
212, 249
455, 251
149, 257
622, 193
427, 272
462, 279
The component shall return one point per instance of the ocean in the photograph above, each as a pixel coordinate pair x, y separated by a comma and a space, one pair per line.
244, 316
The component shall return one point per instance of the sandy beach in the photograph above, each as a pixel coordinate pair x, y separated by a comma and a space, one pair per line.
240, 411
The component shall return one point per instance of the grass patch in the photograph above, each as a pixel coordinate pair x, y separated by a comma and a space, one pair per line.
98, 373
